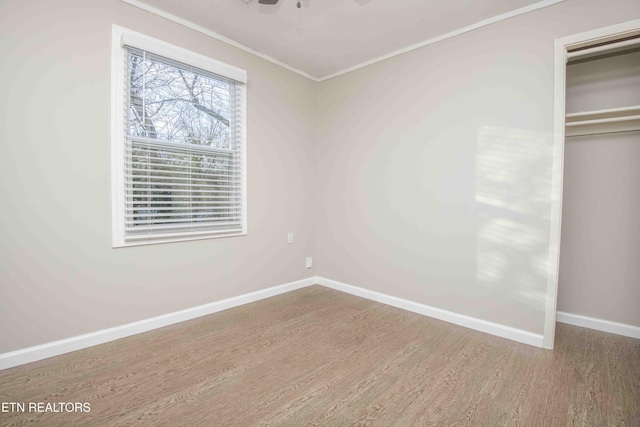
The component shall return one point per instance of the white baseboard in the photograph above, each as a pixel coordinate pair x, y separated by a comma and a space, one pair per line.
502, 331
55, 348
598, 324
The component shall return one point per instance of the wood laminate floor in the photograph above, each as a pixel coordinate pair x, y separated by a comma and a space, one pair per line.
317, 356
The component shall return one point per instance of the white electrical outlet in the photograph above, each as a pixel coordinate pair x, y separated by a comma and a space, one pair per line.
309, 262
289, 237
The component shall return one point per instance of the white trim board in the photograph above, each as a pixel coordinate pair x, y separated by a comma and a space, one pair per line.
142, 5
56, 348
496, 329
598, 324
480, 24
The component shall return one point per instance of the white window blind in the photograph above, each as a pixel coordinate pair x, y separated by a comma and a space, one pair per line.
183, 152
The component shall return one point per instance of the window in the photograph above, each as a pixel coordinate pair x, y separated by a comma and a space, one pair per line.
178, 143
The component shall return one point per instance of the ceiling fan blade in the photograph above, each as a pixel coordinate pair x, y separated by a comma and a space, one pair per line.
267, 1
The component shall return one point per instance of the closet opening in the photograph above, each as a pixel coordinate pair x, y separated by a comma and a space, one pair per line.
595, 196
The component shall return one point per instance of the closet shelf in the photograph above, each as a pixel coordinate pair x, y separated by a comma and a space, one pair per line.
610, 120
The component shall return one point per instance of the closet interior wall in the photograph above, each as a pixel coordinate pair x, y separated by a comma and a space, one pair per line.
600, 244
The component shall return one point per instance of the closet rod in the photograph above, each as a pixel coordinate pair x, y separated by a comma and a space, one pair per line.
602, 48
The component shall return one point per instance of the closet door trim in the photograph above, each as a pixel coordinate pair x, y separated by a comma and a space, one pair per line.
561, 49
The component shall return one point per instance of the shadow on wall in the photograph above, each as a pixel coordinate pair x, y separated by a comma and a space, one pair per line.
513, 193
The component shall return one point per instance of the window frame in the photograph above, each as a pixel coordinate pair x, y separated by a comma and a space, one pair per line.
122, 37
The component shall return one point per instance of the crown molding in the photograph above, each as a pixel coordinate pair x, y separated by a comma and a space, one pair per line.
539, 5
141, 5
480, 24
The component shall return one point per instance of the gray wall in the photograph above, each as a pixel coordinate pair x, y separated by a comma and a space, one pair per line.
433, 186
435, 167
59, 276
600, 249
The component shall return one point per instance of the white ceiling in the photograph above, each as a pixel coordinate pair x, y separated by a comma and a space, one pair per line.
325, 37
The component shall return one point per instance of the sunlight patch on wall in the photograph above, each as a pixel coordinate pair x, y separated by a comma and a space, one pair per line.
512, 170
513, 180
